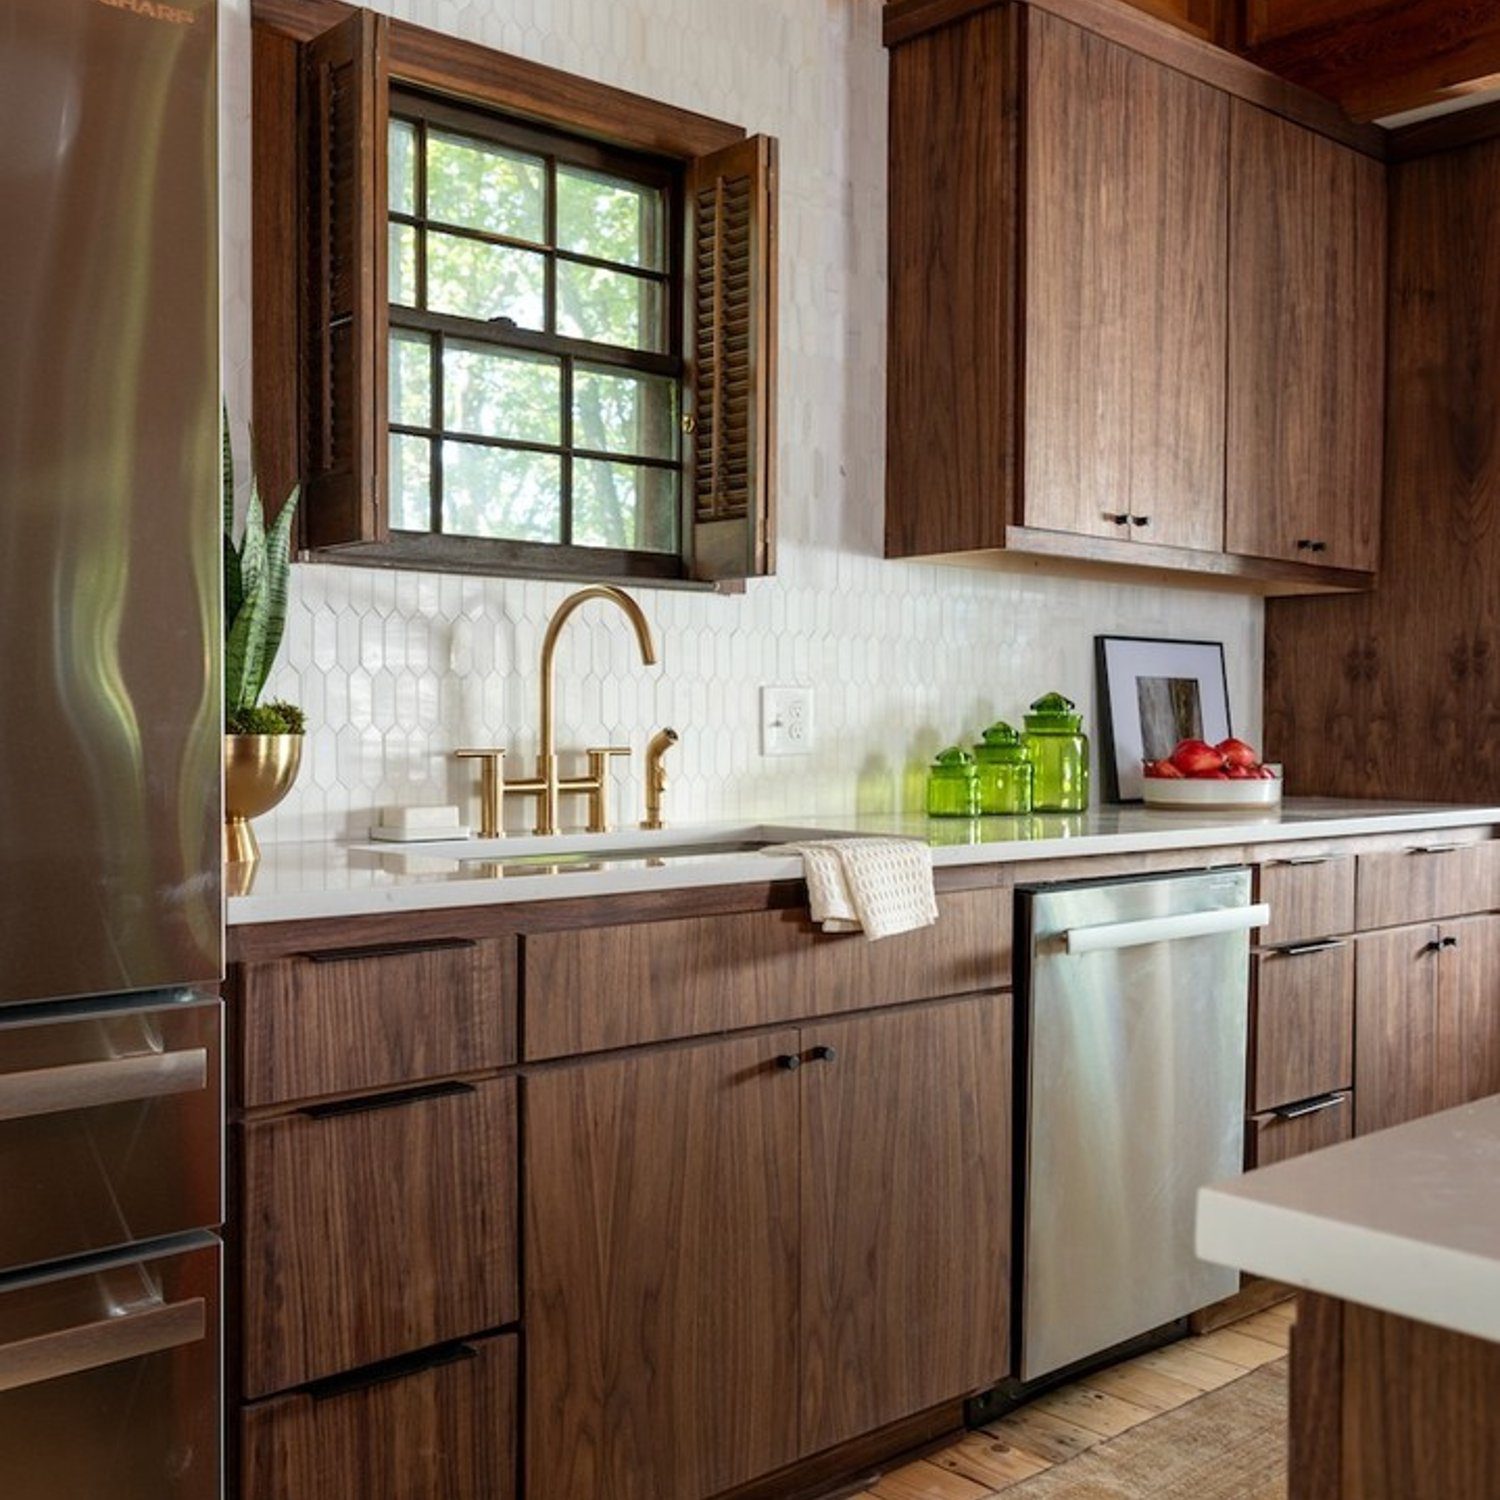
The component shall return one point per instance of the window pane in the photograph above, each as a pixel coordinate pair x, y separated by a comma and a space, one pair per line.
411, 379
402, 167
617, 411
483, 186
499, 493
474, 280
624, 505
411, 483
516, 396
403, 268
610, 307
610, 218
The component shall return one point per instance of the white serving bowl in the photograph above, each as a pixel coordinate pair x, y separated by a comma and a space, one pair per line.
1219, 796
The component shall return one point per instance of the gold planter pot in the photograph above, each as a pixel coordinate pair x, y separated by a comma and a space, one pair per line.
259, 770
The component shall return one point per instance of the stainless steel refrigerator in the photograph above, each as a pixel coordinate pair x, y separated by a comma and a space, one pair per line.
111, 944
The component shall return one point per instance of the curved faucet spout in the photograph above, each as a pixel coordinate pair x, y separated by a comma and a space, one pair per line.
547, 751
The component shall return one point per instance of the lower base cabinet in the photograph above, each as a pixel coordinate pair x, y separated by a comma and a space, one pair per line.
433, 1427
743, 1252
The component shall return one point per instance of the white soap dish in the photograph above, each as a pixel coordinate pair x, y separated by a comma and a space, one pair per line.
419, 835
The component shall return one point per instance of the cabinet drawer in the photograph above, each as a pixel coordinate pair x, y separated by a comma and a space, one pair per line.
351, 1019
1310, 896
438, 1426
372, 1228
1435, 877
606, 987
1303, 1023
1305, 1127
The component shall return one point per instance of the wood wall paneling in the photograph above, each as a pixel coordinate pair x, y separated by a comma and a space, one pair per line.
1306, 345
906, 1214
951, 377
1398, 694
1125, 294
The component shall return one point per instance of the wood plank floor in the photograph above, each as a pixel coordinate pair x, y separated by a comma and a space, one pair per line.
1056, 1428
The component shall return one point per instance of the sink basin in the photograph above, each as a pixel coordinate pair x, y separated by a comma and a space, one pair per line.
572, 851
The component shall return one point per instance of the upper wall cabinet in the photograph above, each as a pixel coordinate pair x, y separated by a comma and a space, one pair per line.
1306, 345
1135, 320
507, 320
1124, 310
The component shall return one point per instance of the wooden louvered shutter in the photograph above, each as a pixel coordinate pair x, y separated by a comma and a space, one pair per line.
345, 102
731, 347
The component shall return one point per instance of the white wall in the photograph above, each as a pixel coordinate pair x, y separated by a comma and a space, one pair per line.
396, 670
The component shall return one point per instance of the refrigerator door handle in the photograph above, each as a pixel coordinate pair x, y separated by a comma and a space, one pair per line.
116, 1080
1109, 936
89, 1346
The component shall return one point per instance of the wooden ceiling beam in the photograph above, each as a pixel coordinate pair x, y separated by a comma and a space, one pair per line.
1377, 57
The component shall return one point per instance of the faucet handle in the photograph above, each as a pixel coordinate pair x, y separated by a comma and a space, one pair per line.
599, 757
491, 787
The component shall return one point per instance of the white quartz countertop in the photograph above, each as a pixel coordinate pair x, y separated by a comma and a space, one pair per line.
305, 881
1406, 1221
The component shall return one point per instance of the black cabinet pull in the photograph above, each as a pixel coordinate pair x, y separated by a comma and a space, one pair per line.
392, 1099
387, 950
1304, 544
1120, 518
1140, 520
1448, 942
823, 1054
788, 1062
1302, 950
401, 1368
1309, 1107
1320, 546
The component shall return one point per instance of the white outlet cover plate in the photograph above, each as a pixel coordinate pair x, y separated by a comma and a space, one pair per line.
786, 721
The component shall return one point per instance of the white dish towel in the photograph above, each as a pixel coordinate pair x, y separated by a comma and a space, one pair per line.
880, 886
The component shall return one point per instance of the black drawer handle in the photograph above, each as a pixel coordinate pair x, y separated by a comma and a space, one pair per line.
788, 1062
1435, 849
1140, 520
387, 950
1303, 861
1120, 518
392, 1099
1302, 950
824, 1053
1309, 1107
403, 1367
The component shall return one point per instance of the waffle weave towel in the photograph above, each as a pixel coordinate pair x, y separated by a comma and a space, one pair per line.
879, 886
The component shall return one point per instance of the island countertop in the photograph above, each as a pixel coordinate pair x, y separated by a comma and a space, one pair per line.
1404, 1221
327, 878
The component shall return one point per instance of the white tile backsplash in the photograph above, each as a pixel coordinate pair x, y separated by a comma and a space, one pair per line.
396, 670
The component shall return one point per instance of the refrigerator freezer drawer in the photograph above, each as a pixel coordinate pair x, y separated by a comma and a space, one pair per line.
109, 1378
109, 1127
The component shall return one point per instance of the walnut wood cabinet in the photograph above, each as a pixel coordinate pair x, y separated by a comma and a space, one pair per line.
1429, 1019
724, 1241
1307, 278
1106, 349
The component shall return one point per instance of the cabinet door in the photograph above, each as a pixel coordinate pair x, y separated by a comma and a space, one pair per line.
1125, 292
1469, 1001
1399, 1039
905, 1213
1307, 257
661, 1272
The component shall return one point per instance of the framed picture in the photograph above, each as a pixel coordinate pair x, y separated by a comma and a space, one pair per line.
1152, 694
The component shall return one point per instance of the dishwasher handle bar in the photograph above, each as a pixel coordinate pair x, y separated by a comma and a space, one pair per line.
1113, 935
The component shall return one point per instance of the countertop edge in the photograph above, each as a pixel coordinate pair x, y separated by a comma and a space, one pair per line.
314, 905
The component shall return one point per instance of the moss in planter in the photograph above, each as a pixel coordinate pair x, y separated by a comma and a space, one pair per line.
266, 718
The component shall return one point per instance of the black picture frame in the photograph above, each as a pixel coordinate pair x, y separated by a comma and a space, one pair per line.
1120, 757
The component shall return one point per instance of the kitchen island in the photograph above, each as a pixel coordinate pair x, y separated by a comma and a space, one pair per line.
1394, 1241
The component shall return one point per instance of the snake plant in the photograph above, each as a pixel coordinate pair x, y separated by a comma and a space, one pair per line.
255, 595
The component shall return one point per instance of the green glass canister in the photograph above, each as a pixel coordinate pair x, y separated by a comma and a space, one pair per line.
1059, 753
1006, 774
953, 785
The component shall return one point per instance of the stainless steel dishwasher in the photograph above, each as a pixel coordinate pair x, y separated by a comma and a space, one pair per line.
1135, 1009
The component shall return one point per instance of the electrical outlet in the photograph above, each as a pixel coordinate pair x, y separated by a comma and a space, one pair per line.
786, 721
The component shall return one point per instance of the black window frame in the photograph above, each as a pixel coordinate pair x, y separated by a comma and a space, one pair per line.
564, 558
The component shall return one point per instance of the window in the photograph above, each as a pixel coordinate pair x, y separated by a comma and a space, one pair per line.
507, 320
535, 354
